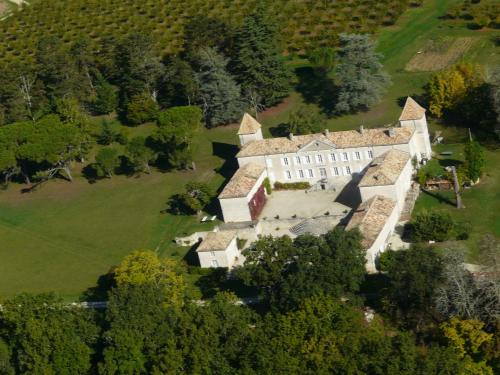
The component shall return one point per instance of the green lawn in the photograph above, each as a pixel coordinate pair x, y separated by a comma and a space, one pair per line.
65, 235
482, 202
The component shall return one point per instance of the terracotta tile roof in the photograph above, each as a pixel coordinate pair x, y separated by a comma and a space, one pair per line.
370, 218
242, 181
342, 139
216, 241
385, 169
412, 110
248, 125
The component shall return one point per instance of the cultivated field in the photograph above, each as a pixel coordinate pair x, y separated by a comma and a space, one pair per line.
439, 54
303, 24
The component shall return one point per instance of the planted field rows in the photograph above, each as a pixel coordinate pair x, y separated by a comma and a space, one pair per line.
304, 24
433, 58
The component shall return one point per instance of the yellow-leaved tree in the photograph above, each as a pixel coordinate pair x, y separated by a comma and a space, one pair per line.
471, 343
449, 88
144, 267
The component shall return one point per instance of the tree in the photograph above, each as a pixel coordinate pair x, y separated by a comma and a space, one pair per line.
474, 160
465, 296
469, 340
144, 267
141, 108
178, 85
196, 196
58, 71
107, 160
414, 275
139, 155
111, 131
286, 271
219, 94
5, 363
258, 64
432, 226
47, 337
306, 119
106, 100
177, 127
449, 89
138, 68
359, 76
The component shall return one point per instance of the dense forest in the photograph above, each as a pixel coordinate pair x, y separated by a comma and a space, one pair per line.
314, 317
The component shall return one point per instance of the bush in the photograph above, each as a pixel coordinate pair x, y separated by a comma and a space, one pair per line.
112, 131
107, 160
291, 185
141, 109
106, 99
432, 226
267, 186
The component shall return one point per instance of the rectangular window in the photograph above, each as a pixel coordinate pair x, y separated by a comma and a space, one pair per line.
322, 172
308, 159
301, 173
345, 156
285, 161
348, 170
288, 175
319, 158
311, 173
335, 171
357, 155
333, 157
212, 253
370, 154
215, 263
297, 160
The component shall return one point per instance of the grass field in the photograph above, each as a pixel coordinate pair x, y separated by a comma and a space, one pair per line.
65, 235
482, 202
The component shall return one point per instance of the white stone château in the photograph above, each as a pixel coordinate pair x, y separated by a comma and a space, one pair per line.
376, 164
327, 159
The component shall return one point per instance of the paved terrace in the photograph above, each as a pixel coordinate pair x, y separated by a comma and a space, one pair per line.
298, 204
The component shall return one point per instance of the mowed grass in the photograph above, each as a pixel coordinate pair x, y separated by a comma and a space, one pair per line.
482, 202
63, 236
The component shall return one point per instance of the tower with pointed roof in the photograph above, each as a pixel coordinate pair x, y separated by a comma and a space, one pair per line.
413, 115
250, 130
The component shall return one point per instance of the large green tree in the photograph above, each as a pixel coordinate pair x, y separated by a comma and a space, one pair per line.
258, 64
47, 337
177, 127
219, 94
359, 76
138, 67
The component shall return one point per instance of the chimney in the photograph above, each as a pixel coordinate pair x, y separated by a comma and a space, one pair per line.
361, 129
327, 132
391, 132
291, 137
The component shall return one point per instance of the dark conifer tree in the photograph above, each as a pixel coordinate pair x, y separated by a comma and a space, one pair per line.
258, 63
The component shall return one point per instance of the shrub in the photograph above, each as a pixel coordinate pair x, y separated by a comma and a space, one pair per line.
267, 186
141, 109
291, 185
432, 226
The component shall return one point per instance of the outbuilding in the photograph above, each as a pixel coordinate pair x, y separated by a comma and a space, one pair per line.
219, 249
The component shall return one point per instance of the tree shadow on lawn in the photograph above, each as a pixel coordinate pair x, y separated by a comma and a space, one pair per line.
439, 197
99, 292
227, 152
